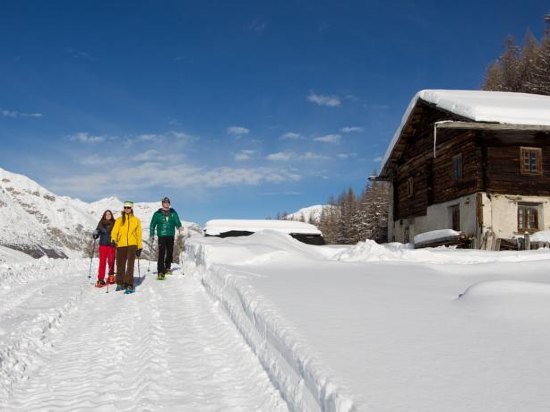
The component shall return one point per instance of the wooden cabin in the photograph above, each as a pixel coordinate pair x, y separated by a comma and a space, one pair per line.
474, 161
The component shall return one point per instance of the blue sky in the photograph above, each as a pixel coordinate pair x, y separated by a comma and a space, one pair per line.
234, 109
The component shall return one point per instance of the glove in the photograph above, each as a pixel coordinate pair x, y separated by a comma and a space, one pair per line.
138, 252
152, 237
113, 243
95, 235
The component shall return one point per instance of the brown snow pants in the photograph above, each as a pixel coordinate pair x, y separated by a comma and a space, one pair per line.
125, 258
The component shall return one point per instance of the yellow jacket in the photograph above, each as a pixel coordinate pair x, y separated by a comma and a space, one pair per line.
127, 233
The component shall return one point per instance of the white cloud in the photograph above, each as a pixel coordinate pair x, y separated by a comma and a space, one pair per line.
351, 129
237, 131
378, 159
154, 175
98, 160
329, 138
14, 114
84, 137
146, 156
290, 136
312, 156
280, 156
244, 155
322, 100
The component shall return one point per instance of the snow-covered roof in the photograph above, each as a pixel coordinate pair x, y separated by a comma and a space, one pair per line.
482, 106
218, 226
435, 235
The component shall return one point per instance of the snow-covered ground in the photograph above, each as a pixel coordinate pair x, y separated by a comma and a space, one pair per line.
386, 327
267, 323
65, 345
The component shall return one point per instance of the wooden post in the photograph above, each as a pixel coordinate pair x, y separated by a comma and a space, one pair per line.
527, 241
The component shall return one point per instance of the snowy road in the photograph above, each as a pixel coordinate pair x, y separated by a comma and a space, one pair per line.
74, 347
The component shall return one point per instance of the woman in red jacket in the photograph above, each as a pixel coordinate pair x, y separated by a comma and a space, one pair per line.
106, 250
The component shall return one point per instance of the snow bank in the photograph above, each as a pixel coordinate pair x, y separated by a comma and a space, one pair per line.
217, 226
435, 235
302, 380
370, 251
542, 236
509, 300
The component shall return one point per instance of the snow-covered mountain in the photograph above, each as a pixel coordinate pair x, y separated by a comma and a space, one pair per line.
38, 222
310, 214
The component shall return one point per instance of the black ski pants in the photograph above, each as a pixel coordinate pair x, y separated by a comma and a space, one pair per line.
166, 252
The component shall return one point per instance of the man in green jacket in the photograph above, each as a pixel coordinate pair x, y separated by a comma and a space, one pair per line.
165, 220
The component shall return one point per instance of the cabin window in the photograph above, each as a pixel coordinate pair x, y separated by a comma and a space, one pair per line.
410, 187
454, 214
531, 160
457, 167
528, 217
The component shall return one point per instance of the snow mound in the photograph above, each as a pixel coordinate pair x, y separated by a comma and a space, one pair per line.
370, 251
506, 289
261, 247
514, 300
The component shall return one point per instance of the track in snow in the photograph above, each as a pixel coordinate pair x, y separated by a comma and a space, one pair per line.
167, 346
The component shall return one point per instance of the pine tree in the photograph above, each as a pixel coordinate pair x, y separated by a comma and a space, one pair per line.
539, 81
524, 69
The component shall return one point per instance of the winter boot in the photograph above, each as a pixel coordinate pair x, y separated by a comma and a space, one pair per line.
129, 290
119, 288
111, 279
168, 272
161, 276
100, 283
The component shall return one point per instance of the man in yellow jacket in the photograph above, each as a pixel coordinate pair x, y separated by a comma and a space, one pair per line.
126, 236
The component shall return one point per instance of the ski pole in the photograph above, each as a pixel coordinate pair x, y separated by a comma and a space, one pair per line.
139, 271
90, 271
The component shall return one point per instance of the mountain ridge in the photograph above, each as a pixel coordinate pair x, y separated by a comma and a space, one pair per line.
40, 223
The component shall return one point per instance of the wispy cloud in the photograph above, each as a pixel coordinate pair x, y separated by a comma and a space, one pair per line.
153, 175
147, 156
351, 129
258, 25
378, 159
84, 137
244, 155
329, 138
14, 114
290, 136
280, 156
79, 54
312, 156
287, 156
323, 100
237, 131
98, 160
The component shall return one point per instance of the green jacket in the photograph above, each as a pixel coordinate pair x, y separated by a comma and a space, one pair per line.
165, 223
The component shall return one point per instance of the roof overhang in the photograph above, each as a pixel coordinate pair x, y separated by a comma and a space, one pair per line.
491, 126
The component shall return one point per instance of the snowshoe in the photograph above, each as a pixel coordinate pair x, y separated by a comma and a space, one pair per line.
100, 283
161, 276
119, 288
129, 290
168, 272
111, 279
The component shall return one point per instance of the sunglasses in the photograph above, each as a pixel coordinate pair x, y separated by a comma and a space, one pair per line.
127, 207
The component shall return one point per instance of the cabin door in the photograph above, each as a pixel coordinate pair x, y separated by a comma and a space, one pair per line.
454, 214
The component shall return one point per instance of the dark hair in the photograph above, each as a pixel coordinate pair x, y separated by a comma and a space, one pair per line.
104, 219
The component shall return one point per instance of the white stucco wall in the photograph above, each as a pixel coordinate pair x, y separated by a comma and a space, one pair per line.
499, 216
438, 216
500, 213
